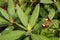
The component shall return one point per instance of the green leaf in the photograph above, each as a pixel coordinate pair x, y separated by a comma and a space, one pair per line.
27, 38
12, 35
3, 21
28, 10
46, 1
0, 34
35, 37
54, 24
43, 31
51, 14
3, 25
46, 33
34, 16
21, 1
43, 37
54, 38
58, 5
4, 13
11, 8
38, 25
23, 6
22, 16
7, 30
21, 26
58, 38
1, 2
43, 13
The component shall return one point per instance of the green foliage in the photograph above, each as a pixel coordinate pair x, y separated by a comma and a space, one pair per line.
22, 16
35, 37
28, 10
4, 13
27, 38
46, 1
11, 8
34, 16
43, 13
21, 26
3, 21
58, 5
30, 20
7, 30
12, 35
51, 13
1, 2
54, 24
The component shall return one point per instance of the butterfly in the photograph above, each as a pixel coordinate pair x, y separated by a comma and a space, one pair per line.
46, 23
